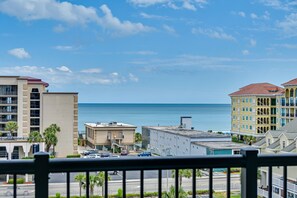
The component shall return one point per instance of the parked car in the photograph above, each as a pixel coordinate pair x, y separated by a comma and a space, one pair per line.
93, 155
124, 152
20, 191
145, 154
88, 152
105, 155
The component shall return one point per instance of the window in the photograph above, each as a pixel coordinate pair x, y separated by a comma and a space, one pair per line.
243, 108
284, 144
290, 195
251, 100
246, 100
242, 99
246, 117
251, 117
251, 127
251, 109
247, 109
269, 142
242, 117
246, 126
275, 190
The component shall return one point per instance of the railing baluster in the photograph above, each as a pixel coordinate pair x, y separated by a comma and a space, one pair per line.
228, 182
176, 182
124, 184
285, 181
87, 184
68, 184
194, 183
141, 183
210, 182
270, 181
106, 184
160, 183
14, 185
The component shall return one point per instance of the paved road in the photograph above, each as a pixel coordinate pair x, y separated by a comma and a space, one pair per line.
132, 186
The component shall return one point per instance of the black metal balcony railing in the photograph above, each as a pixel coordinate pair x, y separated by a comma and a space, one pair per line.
249, 161
8, 102
7, 120
6, 93
8, 111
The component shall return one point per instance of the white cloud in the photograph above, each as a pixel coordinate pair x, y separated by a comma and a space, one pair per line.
133, 77
67, 12
65, 47
59, 28
61, 75
188, 5
91, 71
19, 53
242, 14
169, 29
265, 16
253, 16
277, 4
141, 52
286, 45
245, 52
253, 42
289, 24
217, 34
152, 16
125, 27
173, 4
64, 69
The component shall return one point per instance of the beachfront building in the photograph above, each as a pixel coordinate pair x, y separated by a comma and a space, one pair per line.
289, 102
255, 109
26, 101
105, 136
283, 140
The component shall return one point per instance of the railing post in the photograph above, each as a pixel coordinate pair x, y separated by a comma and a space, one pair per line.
249, 185
41, 174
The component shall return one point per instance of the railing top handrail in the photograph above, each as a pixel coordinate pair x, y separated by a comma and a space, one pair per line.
17, 166
147, 163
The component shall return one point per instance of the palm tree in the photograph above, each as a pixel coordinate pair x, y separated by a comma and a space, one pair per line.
171, 193
34, 137
50, 136
185, 173
101, 180
93, 180
138, 137
80, 178
11, 126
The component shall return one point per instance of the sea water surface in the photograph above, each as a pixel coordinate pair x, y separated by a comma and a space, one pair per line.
215, 117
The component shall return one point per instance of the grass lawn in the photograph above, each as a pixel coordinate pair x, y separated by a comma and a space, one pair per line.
223, 195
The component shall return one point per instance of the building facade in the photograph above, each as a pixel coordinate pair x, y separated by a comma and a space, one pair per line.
289, 102
255, 109
283, 140
26, 101
178, 141
105, 136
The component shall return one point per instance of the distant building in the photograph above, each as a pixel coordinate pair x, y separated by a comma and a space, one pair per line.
110, 135
26, 101
289, 102
283, 140
179, 141
255, 109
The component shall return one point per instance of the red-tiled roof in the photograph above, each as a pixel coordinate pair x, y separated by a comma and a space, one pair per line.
32, 80
291, 82
259, 89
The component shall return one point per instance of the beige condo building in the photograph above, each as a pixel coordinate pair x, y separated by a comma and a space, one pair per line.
103, 136
26, 101
255, 109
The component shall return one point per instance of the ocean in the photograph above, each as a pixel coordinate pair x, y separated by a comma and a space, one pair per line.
216, 117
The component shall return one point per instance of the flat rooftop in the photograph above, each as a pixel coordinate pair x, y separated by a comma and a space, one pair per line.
187, 132
110, 124
221, 145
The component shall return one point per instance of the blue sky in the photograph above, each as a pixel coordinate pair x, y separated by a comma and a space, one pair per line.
149, 51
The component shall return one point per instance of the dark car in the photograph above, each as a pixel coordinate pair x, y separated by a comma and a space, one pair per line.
145, 154
104, 155
88, 152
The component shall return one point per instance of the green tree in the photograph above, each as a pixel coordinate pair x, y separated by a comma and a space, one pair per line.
11, 126
80, 178
93, 180
185, 173
138, 137
34, 137
171, 193
50, 137
101, 180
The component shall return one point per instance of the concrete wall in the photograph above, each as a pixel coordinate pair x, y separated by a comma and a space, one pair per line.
61, 109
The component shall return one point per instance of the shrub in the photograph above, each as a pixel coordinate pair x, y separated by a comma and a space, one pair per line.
73, 156
28, 157
120, 193
200, 192
58, 195
19, 181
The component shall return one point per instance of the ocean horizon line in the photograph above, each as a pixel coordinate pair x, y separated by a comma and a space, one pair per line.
140, 103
